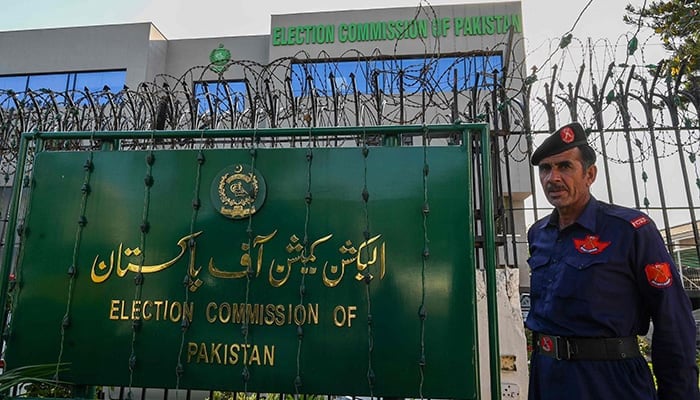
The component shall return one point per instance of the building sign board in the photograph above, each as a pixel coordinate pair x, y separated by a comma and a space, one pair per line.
375, 31
323, 271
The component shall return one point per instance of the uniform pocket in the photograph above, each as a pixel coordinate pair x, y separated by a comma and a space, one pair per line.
539, 276
537, 261
578, 278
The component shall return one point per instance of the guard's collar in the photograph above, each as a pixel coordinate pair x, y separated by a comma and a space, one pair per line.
587, 219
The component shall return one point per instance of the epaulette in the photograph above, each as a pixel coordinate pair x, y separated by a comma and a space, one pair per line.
634, 217
640, 221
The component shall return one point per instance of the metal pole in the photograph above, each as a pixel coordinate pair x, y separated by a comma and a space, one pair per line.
489, 234
471, 238
11, 226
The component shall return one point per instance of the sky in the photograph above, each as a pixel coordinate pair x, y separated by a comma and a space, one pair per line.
177, 19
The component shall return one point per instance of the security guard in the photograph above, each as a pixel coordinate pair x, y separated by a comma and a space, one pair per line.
599, 273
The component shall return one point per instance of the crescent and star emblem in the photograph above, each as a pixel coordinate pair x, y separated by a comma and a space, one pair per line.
238, 191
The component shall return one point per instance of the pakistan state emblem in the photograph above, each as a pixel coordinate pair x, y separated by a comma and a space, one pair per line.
219, 58
238, 191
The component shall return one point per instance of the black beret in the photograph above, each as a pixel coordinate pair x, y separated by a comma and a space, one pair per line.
565, 138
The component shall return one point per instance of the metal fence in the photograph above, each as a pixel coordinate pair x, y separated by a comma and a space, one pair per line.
642, 120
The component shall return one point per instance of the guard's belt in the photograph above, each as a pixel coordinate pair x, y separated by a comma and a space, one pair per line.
576, 348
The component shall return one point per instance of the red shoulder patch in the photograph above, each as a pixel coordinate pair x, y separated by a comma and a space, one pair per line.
639, 222
659, 275
590, 245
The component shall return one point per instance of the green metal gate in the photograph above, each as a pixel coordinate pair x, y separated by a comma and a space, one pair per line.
345, 270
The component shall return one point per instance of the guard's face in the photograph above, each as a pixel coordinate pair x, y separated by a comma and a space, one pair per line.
564, 181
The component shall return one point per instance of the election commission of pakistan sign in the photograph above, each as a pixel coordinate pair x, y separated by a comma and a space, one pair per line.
375, 31
269, 275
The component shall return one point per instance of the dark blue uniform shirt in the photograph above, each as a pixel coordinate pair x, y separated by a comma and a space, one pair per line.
606, 276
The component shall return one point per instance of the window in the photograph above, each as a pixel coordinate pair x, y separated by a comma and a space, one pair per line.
222, 95
17, 84
54, 82
97, 81
419, 74
67, 82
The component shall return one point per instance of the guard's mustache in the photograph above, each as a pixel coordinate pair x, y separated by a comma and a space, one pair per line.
551, 188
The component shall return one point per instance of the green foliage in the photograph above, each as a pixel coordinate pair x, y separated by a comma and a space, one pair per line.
677, 22
38, 380
47, 390
644, 347
261, 396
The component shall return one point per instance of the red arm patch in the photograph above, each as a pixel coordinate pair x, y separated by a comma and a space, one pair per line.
639, 222
659, 275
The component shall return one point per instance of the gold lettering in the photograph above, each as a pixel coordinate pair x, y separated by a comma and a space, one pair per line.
122, 316
188, 310
136, 268
202, 355
254, 356
269, 314
194, 283
210, 318
245, 260
245, 353
361, 266
224, 317
215, 347
238, 313
158, 304
342, 315
102, 266
299, 314
313, 313
279, 269
269, 355
234, 349
252, 313
279, 315
351, 314
339, 316
136, 309
191, 350
144, 312
230, 354
113, 309
175, 311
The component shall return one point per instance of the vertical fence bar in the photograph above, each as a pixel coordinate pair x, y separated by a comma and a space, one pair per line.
623, 105
489, 233
11, 226
467, 142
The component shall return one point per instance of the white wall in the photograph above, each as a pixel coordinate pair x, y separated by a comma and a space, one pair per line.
511, 333
78, 49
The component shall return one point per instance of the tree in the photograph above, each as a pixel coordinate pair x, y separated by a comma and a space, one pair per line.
677, 22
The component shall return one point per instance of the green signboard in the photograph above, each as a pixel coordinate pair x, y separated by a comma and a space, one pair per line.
328, 271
